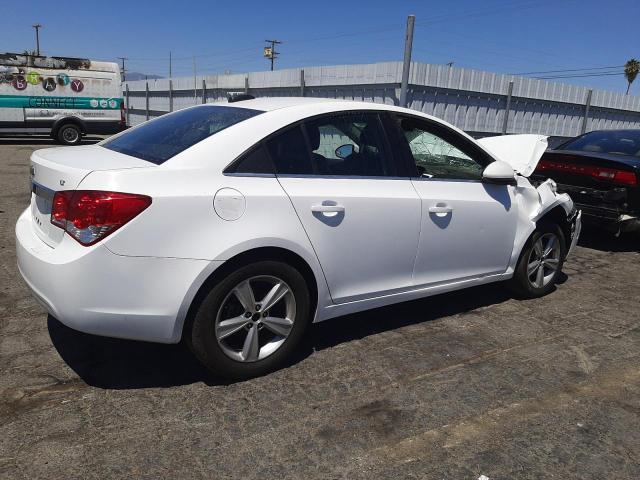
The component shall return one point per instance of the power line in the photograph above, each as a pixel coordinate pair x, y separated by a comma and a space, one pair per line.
369, 31
488, 11
372, 31
568, 70
233, 58
580, 75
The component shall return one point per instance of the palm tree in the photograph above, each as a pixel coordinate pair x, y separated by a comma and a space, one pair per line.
631, 70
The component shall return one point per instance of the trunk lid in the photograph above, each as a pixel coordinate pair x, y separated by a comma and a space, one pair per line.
64, 168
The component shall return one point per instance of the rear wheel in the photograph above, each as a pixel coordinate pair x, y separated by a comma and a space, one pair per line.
540, 262
252, 321
69, 134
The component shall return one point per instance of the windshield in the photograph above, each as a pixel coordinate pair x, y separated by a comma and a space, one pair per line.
621, 142
161, 139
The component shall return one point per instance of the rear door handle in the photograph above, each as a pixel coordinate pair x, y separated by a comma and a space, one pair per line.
440, 209
327, 208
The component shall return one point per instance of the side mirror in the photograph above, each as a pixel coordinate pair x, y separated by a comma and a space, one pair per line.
344, 151
499, 172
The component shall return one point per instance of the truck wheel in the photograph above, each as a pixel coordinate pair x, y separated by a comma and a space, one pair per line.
540, 262
69, 134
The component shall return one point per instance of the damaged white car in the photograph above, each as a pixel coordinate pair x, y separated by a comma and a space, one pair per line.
233, 226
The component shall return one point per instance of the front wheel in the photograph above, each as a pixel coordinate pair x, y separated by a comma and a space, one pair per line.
251, 321
540, 262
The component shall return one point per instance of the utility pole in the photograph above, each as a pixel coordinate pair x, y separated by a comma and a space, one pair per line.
195, 83
123, 69
408, 44
270, 51
37, 26
170, 77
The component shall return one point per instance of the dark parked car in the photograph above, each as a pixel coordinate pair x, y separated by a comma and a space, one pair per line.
600, 171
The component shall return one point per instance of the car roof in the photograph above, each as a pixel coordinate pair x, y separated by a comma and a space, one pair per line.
614, 130
282, 111
268, 104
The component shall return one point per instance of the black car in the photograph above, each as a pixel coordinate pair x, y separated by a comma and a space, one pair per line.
600, 171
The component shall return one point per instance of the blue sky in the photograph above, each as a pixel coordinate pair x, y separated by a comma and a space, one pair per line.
508, 36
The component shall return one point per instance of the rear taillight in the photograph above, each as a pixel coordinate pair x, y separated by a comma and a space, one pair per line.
91, 215
613, 175
123, 116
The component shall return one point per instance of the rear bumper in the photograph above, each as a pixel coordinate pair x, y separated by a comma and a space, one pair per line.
611, 219
611, 209
93, 290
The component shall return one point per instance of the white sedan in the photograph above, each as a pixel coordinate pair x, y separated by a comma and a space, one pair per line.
233, 226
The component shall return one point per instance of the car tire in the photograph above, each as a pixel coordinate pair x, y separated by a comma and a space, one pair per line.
540, 264
232, 353
69, 134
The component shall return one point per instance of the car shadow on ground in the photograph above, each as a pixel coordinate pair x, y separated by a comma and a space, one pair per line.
605, 241
123, 364
45, 141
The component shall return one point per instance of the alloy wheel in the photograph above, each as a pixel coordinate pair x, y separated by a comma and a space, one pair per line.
255, 318
544, 260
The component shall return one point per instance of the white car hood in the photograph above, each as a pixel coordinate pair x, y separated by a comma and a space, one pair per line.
522, 152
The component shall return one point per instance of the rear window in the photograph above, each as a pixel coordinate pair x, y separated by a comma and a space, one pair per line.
620, 142
161, 139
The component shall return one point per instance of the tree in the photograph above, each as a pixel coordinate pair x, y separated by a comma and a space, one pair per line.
631, 70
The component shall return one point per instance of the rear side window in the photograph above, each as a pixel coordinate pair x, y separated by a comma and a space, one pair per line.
289, 152
173, 133
341, 144
255, 161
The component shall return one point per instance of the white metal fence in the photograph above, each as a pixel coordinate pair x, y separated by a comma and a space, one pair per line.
475, 101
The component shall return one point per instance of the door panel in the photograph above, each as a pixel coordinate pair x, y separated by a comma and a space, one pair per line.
468, 230
364, 231
363, 223
468, 227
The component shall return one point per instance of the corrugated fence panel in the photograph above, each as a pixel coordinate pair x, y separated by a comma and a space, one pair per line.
473, 100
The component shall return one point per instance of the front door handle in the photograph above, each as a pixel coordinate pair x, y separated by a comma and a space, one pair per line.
327, 208
440, 208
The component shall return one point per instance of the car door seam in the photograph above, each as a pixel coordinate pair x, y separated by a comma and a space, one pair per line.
415, 257
308, 237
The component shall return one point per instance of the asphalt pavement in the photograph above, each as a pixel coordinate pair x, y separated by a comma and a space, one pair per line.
455, 386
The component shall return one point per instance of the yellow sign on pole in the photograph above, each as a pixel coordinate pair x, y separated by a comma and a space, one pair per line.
268, 52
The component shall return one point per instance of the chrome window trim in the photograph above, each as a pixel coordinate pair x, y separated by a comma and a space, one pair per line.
259, 175
341, 177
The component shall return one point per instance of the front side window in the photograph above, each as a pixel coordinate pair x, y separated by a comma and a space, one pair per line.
350, 144
436, 157
165, 137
